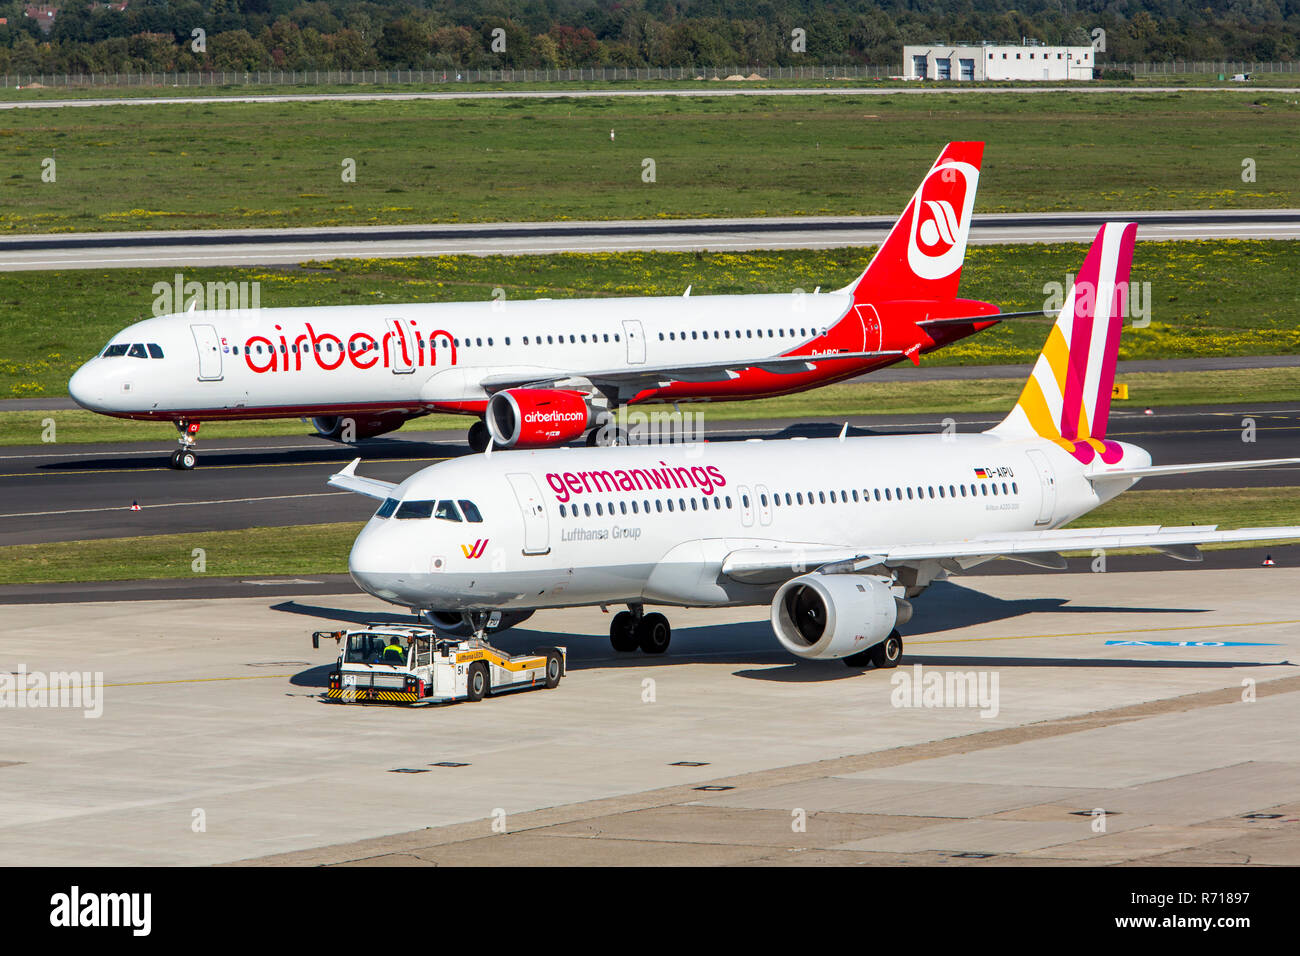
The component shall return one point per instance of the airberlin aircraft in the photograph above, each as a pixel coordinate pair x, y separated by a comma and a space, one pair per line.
837, 535
539, 373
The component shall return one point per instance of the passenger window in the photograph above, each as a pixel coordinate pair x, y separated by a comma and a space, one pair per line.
155, 351
670, 504
586, 509
561, 511
137, 351
598, 509
415, 509
387, 508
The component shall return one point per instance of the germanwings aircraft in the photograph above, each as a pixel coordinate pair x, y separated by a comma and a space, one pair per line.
539, 373
836, 534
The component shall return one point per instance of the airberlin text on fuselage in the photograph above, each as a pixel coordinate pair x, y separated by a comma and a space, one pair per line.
566, 485
405, 347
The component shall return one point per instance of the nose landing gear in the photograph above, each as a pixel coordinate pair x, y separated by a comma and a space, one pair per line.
184, 458
634, 628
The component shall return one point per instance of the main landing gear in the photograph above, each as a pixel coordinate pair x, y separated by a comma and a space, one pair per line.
634, 628
884, 655
184, 458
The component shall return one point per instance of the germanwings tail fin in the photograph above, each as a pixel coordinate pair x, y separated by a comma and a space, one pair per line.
922, 256
1067, 397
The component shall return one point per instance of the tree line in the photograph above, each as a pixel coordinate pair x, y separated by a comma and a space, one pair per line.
200, 35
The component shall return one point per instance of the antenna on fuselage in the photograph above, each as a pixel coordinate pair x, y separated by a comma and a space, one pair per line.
844, 431
687, 293
488, 449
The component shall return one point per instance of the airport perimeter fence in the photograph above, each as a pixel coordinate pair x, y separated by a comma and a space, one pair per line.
427, 77
601, 74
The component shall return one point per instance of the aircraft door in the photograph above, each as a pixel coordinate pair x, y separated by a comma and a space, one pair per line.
871, 330
401, 347
1047, 482
209, 346
537, 526
635, 336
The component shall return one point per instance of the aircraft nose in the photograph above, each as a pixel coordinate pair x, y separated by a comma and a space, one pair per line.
88, 387
374, 564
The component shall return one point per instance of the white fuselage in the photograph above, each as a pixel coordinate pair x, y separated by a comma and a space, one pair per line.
427, 357
653, 524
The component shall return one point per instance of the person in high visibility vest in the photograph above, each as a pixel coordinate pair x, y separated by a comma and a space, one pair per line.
394, 653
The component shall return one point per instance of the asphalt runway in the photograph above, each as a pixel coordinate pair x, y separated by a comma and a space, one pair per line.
183, 248
729, 89
54, 493
1167, 700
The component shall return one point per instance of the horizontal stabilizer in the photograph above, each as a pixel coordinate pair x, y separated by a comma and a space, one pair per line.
992, 317
1154, 471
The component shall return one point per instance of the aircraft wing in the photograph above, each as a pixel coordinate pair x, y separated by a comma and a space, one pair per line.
651, 376
768, 566
349, 480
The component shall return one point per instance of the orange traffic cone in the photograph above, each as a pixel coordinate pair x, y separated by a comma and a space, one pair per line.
1268, 561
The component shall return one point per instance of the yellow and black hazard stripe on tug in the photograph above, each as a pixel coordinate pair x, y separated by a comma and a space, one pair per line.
367, 693
518, 664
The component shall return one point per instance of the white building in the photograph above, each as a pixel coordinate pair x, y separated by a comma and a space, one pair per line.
997, 61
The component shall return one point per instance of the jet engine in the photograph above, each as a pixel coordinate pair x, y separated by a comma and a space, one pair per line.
453, 622
537, 417
367, 425
829, 616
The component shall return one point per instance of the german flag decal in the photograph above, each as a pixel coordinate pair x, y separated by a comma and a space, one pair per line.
981, 473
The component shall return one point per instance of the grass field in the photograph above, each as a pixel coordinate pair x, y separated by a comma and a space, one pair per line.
323, 548
265, 164
1244, 389
1219, 297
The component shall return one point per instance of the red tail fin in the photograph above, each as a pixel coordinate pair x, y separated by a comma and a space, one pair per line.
922, 256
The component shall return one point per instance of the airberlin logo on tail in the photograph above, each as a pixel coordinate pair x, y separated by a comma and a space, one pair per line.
941, 220
476, 549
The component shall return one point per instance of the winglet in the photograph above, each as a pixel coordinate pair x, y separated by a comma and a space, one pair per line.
348, 480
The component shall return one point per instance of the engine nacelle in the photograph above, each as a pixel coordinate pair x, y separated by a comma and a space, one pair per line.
453, 622
829, 616
367, 425
537, 417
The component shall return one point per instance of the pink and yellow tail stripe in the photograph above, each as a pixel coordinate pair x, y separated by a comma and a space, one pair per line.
1067, 397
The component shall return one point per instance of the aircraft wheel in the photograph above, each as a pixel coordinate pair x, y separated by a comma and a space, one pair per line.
479, 436
622, 632
653, 633
888, 652
184, 459
554, 670
176, 459
476, 686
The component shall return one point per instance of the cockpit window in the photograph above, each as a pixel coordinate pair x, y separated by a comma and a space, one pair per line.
471, 511
155, 350
387, 508
115, 351
447, 511
415, 509
137, 351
